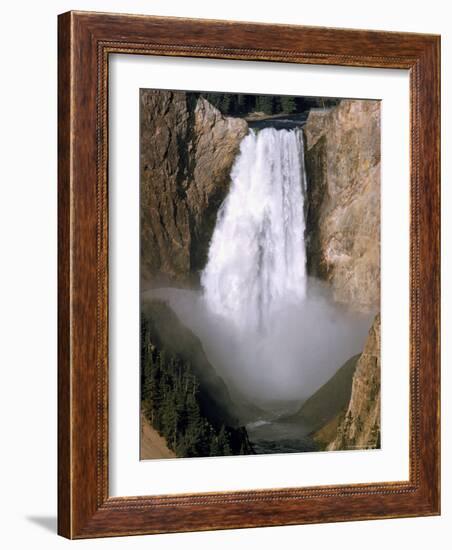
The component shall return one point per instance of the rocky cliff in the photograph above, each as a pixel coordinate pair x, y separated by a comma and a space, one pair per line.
359, 427
329, 401
187, 151
342, 155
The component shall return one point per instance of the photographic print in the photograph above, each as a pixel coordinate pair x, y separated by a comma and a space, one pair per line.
259, 274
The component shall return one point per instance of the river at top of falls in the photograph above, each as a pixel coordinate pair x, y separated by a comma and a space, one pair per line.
257, 256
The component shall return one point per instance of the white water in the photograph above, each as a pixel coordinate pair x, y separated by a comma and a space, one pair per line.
257, 257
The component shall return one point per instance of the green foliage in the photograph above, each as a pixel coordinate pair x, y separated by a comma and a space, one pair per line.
223, 442
288, 104
226, 103
244, 104
264, 104
170, 397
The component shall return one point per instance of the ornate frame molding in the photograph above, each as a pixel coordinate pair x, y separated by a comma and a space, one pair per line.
85, 42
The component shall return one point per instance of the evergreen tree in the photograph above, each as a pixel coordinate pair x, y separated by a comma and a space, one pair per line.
264, 104
214, 447
223, 442
225, 104
214, 99
276, 104
148, 384
193, 433
242, 104
288, 104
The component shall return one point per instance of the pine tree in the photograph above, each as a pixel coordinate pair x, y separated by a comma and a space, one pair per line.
193, 433
214, 99
214, 447
242, 103
169, 419
225, 104
264, 104
276, 104
148, 385
288, 104
224, 447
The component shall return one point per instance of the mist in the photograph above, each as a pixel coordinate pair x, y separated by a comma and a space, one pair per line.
278, 368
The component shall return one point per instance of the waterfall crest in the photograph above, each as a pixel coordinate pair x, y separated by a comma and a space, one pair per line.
257, 258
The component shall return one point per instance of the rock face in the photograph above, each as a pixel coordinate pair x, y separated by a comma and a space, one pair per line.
342, 154
359, 427
187, 151
330, 400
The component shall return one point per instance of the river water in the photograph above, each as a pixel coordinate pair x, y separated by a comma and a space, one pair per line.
280, 437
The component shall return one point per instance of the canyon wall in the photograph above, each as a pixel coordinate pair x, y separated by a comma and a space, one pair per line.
186, 153
342, 154
359, 427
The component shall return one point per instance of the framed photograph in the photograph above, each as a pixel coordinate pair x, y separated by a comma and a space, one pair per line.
248, 275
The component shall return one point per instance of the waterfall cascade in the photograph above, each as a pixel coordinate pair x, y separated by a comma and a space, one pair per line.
257, 257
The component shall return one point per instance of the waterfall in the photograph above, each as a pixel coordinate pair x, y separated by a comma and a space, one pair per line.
257, 259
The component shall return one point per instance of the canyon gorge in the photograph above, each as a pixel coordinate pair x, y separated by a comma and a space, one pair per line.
203, 235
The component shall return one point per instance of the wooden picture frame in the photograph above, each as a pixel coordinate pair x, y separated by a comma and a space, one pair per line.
85, 42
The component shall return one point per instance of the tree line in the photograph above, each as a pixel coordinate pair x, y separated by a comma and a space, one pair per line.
170, 396
244, 104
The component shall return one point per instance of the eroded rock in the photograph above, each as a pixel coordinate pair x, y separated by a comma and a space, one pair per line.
360, 426
187, 151
343, 219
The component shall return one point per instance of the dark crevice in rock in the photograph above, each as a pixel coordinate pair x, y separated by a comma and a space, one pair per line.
316, 192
